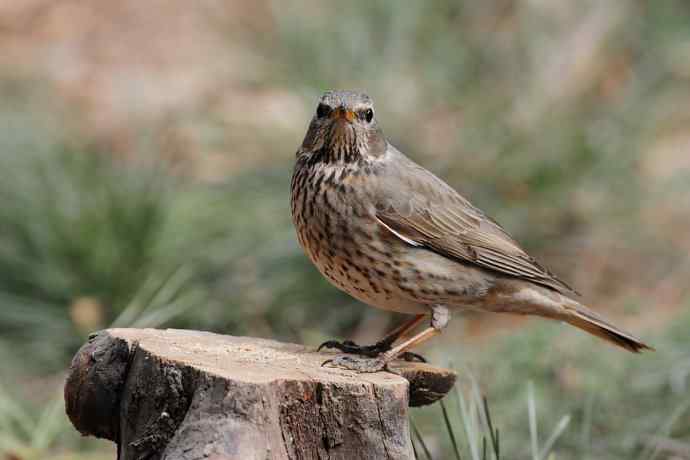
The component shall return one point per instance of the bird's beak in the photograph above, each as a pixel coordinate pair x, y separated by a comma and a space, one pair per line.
343, 114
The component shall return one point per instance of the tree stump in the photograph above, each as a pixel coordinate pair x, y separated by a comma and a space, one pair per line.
173, 394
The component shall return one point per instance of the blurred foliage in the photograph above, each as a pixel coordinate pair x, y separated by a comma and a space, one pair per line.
150, 188
617, 405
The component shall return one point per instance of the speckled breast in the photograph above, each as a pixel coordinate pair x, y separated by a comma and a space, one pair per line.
338, 231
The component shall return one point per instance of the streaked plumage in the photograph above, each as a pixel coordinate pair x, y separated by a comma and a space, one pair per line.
395, 236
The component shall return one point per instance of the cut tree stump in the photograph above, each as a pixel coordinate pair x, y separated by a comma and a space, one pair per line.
173, 394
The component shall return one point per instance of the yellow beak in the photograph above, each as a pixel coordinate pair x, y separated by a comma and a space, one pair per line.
343, 113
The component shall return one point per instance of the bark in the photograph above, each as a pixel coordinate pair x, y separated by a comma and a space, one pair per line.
172, 394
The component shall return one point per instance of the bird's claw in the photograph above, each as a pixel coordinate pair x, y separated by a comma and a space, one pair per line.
413, 357
348, 346
370, 351
358, 364
330, 344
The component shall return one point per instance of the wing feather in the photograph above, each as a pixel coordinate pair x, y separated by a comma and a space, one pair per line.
423, 210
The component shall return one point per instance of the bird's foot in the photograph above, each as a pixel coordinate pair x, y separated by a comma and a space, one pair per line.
371, 351
358, 363
348, 346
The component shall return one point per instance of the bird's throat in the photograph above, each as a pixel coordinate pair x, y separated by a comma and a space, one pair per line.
344, 153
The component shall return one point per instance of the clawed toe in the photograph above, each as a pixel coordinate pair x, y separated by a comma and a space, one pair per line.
330, 344
413, 357
367, 364
348, 346
357, 364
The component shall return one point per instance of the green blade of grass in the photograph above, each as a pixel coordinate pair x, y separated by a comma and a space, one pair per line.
586, 430
557, 432
468, 416
13, 414
652, 451
451, 433
493, 433
420, 439
50, 424
532, 413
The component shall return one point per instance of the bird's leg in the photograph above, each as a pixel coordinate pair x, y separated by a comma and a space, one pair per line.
439, 319
382, 345
399, 332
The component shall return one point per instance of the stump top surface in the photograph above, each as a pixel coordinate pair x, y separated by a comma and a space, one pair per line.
149, 390
256, 360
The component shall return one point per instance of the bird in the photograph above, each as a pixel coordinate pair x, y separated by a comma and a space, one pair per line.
393, 235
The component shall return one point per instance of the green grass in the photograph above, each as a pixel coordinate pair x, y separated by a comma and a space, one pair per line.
77, 228
570, 397
90, 242
32, 431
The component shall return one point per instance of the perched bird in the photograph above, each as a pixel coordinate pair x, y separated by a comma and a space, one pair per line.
393, 235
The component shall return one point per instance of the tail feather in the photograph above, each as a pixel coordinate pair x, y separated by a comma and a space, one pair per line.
585, 319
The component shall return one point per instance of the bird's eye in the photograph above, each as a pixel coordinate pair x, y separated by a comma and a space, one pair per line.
322, 110
367, 115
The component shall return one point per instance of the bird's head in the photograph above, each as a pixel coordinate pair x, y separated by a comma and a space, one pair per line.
344, 128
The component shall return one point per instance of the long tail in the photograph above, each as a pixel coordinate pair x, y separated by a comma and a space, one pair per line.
585, 319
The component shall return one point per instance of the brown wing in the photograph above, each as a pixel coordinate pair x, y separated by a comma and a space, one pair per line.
423, 210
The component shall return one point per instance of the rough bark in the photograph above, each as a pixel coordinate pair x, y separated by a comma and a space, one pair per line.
172, 394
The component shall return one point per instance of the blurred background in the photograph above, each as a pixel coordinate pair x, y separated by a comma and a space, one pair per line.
146, 150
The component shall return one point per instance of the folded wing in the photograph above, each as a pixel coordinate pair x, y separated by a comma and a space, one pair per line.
423, 210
